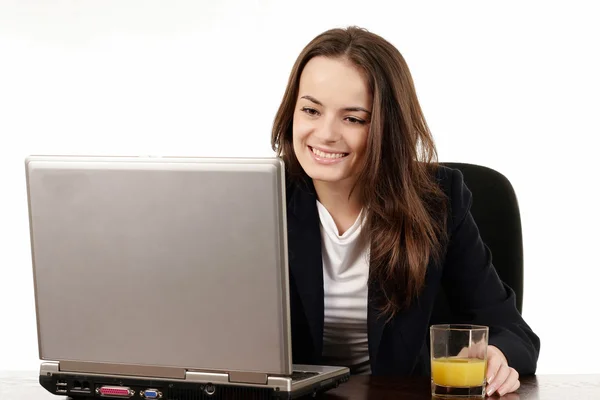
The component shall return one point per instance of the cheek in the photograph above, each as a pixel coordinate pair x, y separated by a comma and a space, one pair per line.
359, 141
300, 131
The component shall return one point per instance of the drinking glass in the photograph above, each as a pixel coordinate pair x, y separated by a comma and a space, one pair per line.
458, 360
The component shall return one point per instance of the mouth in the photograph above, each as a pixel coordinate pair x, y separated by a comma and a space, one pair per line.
327, 158
326, 155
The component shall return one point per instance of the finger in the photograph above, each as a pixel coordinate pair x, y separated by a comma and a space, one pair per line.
463, 353
475, 350
493, 366
499, 379
511, 380
515, 387
480, 350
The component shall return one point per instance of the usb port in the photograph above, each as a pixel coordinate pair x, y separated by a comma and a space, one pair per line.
61, 382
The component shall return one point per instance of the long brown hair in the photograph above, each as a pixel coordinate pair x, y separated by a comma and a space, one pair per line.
406, 218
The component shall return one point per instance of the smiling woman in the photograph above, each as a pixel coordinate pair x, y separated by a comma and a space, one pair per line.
350, 98
375, 223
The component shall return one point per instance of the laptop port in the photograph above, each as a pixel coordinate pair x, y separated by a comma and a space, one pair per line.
61, 389
61, 382
151, 394
80, 387
115, 391
210, 389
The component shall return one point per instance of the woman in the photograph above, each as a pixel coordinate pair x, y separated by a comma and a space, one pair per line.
375, 226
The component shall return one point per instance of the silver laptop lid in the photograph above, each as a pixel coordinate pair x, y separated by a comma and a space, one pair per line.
176, 262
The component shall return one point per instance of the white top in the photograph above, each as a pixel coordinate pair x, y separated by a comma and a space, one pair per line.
345, 275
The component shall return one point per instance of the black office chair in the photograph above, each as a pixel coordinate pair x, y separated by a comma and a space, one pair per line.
496, 211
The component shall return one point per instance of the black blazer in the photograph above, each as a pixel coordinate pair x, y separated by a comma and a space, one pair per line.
400, 346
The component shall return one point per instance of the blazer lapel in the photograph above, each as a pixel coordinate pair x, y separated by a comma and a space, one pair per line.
375, 326
305, 259
404, 335
399, 358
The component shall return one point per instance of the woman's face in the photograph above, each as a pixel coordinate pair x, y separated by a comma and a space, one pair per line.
331, 120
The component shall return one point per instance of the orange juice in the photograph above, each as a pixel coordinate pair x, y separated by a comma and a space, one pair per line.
458, 372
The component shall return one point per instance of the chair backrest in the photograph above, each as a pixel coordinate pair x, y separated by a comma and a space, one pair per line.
495, 210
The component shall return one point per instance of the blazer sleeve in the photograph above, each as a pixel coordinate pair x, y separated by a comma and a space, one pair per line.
476, 295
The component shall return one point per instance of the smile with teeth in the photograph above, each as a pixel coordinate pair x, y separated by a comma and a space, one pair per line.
322, 154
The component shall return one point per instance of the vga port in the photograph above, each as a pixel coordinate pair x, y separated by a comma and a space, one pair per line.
151, 394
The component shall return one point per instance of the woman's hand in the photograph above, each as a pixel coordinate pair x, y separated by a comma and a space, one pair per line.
501, 378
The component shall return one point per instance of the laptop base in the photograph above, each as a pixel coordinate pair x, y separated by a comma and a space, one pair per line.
81, 386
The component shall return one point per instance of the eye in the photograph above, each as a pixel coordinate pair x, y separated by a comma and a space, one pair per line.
310, 111
353, 120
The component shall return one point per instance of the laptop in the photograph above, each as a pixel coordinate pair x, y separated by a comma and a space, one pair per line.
164, 278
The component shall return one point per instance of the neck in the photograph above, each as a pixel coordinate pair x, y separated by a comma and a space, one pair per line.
335, 197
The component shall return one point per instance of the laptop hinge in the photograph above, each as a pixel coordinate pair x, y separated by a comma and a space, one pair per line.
248, 377
122, 369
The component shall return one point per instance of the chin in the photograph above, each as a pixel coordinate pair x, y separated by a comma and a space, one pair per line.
319, 173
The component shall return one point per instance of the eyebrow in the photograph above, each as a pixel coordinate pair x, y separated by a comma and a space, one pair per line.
312, 99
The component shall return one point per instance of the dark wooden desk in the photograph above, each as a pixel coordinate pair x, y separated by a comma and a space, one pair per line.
544, 387
24, 386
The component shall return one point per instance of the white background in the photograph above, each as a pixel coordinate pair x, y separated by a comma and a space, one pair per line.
511, 85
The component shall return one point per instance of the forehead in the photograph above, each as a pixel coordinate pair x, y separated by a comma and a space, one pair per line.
335, 82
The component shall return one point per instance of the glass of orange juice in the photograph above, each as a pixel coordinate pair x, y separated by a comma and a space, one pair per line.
458, 360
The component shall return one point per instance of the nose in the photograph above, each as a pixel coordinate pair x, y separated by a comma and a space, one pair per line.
328, 130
